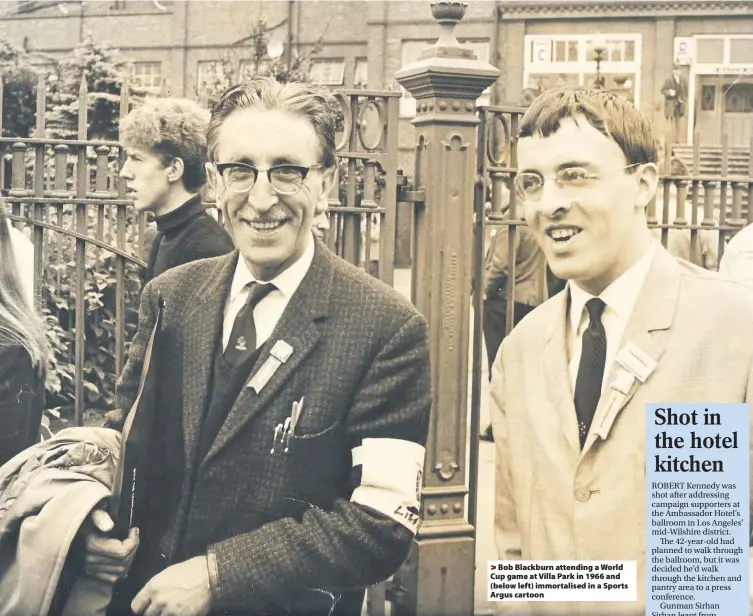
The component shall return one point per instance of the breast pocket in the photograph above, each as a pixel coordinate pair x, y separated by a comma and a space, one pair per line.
312, 468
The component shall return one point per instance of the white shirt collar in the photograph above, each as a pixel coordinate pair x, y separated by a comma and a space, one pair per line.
620, 296
286, 281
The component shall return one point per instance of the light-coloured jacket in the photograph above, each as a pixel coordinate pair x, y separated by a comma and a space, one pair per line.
46, 493
554, 501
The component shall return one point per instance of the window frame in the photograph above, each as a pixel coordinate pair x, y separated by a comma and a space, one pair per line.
584, 67
136, 78
339, 80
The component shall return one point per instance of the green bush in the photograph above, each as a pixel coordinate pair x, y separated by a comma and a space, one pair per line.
59, 290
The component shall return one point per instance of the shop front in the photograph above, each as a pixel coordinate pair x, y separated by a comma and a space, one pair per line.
721, 86
611, 61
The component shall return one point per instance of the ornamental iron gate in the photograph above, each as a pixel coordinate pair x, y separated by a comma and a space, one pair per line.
90, 244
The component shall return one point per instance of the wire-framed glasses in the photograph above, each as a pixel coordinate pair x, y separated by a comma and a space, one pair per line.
285, 179
529, 185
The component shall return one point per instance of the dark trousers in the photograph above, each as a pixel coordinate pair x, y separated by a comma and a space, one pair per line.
495, 316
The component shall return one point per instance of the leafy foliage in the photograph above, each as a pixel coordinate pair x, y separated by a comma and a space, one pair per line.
262, 64
20, 82
103, 69
59, 309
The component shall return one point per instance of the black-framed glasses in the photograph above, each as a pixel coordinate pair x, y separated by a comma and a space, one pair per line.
530, 185
285, 179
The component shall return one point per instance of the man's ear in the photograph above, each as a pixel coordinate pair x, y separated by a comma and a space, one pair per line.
648, 180
175, 170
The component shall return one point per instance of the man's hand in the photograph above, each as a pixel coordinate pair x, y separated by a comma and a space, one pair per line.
180, 590
105, 558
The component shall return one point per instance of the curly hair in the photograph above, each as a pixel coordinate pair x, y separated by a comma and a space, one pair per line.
171, 128
612, 115
315, 104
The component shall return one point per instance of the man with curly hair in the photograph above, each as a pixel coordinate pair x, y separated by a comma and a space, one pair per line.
166, 148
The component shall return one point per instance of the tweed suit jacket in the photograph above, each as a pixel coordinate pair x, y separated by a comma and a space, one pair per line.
554, 501
278, 528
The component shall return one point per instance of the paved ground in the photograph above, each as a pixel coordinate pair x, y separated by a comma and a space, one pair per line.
485, 549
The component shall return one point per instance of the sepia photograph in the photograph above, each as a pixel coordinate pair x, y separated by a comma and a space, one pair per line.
376, 308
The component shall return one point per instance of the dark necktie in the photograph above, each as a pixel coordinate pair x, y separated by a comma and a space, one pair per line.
242, 342
591, 368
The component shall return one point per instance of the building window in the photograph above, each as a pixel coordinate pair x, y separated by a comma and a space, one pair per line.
615, 50
569, 60
361, 73
741, 50
709, 50
249, 69
328, 72
564, 51
147, 75
738, 98
411, 50
210, 74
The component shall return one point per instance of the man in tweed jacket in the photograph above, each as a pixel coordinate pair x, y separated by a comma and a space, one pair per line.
247, 515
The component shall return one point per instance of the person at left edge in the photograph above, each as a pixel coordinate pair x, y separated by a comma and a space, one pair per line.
23, 354
241, 521
166, 152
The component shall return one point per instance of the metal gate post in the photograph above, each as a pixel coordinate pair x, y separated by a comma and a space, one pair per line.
437, 579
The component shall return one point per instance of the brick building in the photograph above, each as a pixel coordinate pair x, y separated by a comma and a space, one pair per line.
178, 46
711, 42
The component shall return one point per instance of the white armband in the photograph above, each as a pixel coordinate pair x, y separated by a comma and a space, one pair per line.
391, 478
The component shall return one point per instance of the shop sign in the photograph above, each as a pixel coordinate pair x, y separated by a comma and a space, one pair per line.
684, 50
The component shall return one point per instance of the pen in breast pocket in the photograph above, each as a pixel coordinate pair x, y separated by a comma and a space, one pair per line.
295, 414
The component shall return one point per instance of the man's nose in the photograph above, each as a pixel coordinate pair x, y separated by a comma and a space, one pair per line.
125, 171
262, 196
553, 200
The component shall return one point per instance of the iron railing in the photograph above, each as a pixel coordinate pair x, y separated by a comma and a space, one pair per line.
67, 195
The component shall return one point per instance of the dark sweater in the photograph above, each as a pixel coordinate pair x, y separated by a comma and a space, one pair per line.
21, 401
184, 235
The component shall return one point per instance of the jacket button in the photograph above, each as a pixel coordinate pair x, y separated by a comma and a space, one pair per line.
582, 494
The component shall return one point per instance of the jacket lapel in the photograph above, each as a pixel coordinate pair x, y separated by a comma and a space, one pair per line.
298, 328
201, 328
647, 330
556, 372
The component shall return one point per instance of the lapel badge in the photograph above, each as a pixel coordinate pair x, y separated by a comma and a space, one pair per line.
623, 381
636, 362
267, 370
281, 351
613, 406
278, 355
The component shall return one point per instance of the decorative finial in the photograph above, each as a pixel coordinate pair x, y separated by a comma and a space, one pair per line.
448, 14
